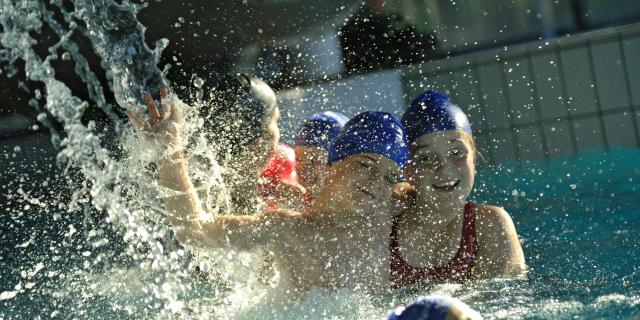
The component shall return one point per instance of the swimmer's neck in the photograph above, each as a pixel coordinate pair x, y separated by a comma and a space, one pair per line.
325, 214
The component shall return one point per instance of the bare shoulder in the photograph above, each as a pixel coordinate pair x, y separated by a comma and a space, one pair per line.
491, 217
494, 225
500, 251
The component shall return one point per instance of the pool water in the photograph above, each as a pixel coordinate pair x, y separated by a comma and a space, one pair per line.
577, 219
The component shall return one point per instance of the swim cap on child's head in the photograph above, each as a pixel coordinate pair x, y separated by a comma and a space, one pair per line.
434, 308
433, 111
239, 112
371, 132
321, 129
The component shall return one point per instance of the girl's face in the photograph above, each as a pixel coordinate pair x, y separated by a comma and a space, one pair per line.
311, 166
362, 185
442, 168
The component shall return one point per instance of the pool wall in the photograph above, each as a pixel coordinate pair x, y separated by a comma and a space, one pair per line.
533, 101
548, 98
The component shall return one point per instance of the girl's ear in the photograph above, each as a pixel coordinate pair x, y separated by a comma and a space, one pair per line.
404, 191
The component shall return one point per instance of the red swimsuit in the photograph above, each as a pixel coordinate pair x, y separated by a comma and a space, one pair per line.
402, 273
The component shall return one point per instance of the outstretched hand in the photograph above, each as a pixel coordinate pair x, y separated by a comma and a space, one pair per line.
166, 125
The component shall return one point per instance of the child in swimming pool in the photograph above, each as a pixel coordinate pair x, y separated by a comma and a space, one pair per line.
328, 245
312, 147
280, 188
439, 235
243, 122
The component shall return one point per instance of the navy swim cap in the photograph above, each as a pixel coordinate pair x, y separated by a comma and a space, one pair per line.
433, 111
433, 308
371, 132
321, 129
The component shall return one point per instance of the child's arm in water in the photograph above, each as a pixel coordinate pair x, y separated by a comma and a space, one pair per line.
242, 232
184, 209
499, 252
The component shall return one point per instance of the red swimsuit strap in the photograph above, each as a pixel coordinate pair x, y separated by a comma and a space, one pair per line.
402, 273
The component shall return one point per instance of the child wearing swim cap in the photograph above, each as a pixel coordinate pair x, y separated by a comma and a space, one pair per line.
280, 188
435, 308
242, 121
439, 234
323, 245
312, 146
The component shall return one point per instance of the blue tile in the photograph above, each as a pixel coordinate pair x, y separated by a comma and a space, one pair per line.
530, 145
440, 82
579, 83
619, 130
589, 135
494, 104
501, 146
632, 56
549, 86
466, 96
559, 138
610, 78
520, 86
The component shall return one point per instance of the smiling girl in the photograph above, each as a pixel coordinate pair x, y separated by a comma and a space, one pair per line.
439, 234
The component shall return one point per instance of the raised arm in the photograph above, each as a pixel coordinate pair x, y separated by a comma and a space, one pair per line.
165, 129
244, 232
191, 223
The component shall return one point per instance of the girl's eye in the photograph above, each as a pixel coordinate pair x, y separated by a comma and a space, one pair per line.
457, 153
390, 179
425, 159
365, 165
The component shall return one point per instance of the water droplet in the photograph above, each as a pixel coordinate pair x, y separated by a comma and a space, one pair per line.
198, 82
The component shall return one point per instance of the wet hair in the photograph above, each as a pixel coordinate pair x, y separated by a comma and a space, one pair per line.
472, 145
238, 112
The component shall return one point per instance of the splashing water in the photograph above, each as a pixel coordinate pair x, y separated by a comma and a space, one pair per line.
107, 183
123, 263
109, 251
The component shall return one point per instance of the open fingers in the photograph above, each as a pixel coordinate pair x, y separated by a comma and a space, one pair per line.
153, 109
137, 119
163, 92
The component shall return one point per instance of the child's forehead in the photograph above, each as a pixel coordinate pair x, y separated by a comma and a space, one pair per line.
378, 159
438, 138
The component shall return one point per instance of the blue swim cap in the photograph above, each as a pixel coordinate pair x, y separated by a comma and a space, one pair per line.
433, 111
371, 132
433, 308
321, 129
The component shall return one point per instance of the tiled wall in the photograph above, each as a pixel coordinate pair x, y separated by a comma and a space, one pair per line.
545, 99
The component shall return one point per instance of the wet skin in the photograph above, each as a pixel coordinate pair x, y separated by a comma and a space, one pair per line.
311, 167
442, 171
340, 242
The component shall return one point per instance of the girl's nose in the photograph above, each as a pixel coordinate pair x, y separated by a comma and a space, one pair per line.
443, 169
